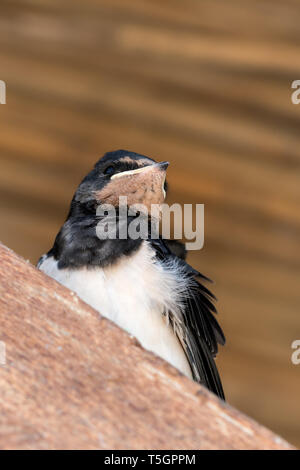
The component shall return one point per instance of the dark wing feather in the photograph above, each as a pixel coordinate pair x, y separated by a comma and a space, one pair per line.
177, 248
201, 332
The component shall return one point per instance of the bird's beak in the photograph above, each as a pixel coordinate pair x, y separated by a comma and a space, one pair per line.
154, 168
144, 185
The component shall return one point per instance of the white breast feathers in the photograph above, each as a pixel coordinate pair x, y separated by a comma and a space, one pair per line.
136, 293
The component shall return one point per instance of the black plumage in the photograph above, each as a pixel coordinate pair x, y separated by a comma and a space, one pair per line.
201, 332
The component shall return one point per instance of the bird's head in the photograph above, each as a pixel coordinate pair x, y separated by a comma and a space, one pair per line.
122, 173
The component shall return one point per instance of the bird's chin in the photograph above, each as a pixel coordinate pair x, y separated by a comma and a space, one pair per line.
143, 187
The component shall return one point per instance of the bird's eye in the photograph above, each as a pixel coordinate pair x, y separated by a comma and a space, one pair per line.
109, 170
91, 206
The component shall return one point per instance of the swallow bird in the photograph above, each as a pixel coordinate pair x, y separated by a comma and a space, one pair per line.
143, 285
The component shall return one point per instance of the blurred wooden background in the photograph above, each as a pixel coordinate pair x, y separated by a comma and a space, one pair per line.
204, 84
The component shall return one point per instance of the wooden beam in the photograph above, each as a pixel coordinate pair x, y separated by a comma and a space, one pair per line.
74, 380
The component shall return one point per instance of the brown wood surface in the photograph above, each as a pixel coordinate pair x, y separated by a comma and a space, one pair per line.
204, 84
74, 380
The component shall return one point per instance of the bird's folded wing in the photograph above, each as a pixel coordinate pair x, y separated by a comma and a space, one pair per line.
199, 331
